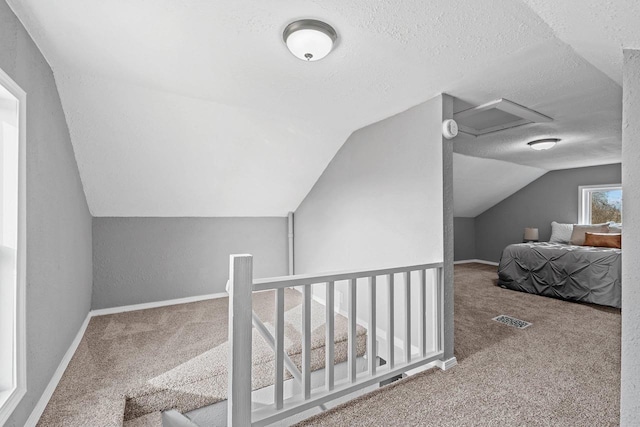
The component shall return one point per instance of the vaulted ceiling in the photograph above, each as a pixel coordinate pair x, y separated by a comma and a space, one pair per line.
196, 108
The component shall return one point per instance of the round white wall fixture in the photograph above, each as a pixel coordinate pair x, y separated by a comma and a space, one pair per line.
309, 39
543, 144
449, 129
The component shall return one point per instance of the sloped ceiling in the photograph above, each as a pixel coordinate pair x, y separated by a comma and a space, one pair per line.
479, 184
585, 104
598, 30
197, 108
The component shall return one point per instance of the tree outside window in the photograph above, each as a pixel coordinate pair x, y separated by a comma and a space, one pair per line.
606, 206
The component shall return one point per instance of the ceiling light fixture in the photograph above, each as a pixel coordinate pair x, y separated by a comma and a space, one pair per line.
543, 144
309, 40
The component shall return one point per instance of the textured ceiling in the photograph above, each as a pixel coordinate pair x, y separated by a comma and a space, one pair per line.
479, 184
585, 104
597, 29
195, 108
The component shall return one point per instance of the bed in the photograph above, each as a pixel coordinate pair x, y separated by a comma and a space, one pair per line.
576, 273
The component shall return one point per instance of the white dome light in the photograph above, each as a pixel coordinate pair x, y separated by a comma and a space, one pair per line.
309, 40
543, 144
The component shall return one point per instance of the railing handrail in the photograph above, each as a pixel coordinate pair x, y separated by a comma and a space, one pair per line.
310, 279
242, 321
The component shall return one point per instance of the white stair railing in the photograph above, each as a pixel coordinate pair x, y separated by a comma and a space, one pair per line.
241, 317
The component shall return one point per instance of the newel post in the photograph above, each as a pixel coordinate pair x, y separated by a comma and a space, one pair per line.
240, 287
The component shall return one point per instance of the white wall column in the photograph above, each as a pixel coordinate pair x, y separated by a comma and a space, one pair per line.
447, 229
630, 371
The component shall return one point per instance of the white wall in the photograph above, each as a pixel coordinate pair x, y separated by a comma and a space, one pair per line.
379, 203
630, 370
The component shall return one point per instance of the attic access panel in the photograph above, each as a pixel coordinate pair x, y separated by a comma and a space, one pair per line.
495, 116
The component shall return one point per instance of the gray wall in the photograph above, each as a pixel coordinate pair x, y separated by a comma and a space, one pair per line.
630, 369
464, 238
552, 197
59, 271
378, 203
138, 260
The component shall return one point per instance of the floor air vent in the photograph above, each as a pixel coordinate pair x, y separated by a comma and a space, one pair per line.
512, 321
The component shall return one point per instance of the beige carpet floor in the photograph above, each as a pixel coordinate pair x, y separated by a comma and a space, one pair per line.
564, 370
129, 366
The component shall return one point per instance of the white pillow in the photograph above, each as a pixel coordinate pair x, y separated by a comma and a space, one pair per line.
560, 233
615, 227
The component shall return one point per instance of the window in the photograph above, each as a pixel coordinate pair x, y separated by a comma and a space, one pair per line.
600, 204
12, 246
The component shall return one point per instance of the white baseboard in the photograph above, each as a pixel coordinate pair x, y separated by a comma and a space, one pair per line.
446, 364
55, 379
147, 305
57, 375
478, 261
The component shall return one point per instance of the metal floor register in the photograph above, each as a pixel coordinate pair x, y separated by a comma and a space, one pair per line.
512, 321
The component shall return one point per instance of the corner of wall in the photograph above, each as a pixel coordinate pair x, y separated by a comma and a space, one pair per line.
630, 361
448, 229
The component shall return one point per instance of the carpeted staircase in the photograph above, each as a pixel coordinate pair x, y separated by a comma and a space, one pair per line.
131, 366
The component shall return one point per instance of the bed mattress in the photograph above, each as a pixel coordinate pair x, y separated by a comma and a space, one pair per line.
575, 273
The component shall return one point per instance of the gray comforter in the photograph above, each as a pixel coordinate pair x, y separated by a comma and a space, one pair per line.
577, 273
